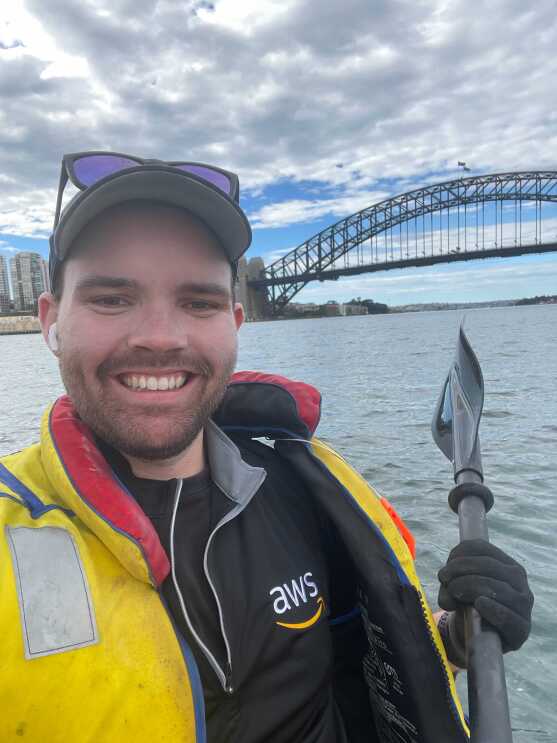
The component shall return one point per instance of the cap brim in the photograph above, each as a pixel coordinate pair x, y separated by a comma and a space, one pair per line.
163, 185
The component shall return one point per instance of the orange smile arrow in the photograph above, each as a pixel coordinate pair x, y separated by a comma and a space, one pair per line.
310, 621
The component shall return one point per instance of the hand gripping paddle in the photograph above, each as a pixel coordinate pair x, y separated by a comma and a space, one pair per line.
455, 431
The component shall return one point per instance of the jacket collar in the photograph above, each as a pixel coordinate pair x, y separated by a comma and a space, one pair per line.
236, 478
84, 481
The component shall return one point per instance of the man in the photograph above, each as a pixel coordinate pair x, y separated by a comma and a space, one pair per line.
162, 580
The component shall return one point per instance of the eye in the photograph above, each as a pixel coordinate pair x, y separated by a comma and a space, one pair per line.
201, 306
111, 301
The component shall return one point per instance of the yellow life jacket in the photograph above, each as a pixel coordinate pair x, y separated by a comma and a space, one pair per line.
90, 652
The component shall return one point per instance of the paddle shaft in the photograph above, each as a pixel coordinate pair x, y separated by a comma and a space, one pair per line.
487, 689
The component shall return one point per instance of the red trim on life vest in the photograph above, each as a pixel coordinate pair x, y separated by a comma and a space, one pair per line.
95, 484
401, 526
307, 397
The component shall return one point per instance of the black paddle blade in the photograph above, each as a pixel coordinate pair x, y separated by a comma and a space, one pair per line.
457, 415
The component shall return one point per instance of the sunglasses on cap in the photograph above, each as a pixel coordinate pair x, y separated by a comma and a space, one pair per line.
84, 169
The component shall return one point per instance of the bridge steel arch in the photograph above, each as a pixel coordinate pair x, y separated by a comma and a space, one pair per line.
318, 257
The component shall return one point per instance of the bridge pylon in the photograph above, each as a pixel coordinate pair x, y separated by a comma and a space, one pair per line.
254, 299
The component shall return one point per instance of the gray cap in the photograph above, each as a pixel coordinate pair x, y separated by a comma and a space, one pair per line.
156, 183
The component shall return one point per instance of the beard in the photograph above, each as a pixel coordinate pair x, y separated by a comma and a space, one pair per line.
155, 432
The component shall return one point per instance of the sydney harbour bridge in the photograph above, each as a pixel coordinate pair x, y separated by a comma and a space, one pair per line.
483, 216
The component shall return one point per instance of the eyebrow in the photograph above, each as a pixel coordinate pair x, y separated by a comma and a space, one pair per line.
106, 282
196, 287
120, 282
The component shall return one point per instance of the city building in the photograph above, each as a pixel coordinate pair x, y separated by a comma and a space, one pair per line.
4, 286
331, 308
26, 271
302, 308
352, 308
45, 275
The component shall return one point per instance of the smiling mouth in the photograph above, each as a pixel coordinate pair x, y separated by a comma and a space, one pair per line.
151, 383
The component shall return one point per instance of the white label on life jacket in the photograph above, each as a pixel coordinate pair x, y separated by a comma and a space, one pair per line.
55, 604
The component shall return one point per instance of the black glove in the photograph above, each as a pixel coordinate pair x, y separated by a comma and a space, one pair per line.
481, 575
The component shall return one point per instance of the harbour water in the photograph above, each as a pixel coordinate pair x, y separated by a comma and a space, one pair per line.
380, 377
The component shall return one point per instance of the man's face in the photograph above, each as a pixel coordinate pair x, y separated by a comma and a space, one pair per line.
147, 330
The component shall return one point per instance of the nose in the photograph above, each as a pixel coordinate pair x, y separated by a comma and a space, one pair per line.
160, 328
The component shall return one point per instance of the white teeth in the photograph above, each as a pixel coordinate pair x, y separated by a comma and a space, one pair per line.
154, 383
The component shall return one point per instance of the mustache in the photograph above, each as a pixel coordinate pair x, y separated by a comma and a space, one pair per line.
167, 360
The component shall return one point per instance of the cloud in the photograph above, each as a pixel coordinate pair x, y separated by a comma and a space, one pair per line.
296, 211
279, 92
245, 17
28, 214
274, 255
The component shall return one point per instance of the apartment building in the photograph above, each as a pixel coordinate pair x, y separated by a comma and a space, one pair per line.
27, 274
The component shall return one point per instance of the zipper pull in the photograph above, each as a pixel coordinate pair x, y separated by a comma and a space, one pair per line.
229, 689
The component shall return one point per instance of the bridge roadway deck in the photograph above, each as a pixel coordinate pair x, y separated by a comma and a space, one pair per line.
416, 261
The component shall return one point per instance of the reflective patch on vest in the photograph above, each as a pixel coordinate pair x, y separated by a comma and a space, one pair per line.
54, 600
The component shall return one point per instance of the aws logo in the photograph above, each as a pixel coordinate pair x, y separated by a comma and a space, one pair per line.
296, 593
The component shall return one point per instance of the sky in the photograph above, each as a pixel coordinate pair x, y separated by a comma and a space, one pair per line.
322, 108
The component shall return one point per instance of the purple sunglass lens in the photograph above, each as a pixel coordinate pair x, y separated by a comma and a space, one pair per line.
220, 180
92, 168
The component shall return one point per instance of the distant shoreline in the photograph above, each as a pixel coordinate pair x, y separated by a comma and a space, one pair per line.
428, 307
29, 325
435, 306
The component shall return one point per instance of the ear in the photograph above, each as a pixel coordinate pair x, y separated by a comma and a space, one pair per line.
48, 314
239, 316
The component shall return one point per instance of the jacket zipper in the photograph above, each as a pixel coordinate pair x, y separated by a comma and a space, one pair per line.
224, 677
227, 684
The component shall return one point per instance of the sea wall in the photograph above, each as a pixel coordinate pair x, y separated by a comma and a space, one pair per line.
15, 324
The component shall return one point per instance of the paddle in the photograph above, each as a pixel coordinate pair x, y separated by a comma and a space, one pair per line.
455, 431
